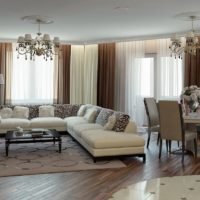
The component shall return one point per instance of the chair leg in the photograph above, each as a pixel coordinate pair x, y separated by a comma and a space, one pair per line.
160, 149
170, 145
178, 143
158, 138
183, 151
148, 140
167, 145
195, 148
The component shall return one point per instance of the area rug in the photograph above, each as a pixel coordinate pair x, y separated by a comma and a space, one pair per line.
26, 159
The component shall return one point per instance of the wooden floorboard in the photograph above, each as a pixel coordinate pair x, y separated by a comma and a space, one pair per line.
97, 184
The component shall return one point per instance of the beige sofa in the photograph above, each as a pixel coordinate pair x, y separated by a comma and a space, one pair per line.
102, 143
89, 132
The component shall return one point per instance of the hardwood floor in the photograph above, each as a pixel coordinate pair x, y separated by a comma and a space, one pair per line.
97, 184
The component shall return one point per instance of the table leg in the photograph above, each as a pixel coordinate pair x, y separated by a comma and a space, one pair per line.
60, 145
7, 147
54, 140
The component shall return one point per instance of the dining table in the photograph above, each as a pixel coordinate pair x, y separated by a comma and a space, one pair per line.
191, 122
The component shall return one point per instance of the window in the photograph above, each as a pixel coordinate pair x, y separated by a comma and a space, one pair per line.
162, 79
32, 81
147, 77
170, 78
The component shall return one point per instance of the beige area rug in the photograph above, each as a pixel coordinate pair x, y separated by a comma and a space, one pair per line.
26, 159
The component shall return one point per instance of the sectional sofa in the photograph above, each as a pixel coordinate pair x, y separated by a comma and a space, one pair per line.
102, 132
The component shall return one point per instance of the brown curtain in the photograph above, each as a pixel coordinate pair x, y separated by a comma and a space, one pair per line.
192, 69
106, 75
6, 60
62, 76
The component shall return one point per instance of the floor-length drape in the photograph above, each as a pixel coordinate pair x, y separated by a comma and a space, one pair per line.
106, 75
83, 74
90, 74
62, 75
6, 58
192, 69
128, 96
76, 74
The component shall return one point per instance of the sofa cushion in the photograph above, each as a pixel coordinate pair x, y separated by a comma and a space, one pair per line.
121, 122
75, 120
12, 123
111, 123
83, 127
103, 116
81, 111
100, 139
46, 111
90, 115
20, 112
6, 113
47, 122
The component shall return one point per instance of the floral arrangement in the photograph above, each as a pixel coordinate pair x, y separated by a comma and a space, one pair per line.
191, 96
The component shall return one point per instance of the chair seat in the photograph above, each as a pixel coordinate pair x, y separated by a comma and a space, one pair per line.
155, 128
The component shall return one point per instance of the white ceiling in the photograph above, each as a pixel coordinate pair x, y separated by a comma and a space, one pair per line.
87, 21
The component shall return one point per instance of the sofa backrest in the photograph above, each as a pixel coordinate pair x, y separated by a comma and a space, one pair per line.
60, 110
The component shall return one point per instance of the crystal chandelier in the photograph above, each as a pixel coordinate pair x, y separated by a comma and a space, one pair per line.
41, 45
191, 45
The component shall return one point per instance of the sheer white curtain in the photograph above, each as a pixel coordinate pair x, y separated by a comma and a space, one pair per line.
83, 74
169, 72
129, 80
32, 81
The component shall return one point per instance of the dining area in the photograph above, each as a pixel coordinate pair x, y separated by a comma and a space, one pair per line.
173, 124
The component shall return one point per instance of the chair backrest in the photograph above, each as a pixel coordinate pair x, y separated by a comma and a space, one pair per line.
151, 111
171, 121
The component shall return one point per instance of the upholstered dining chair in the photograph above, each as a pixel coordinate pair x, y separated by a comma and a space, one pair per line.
172, 126
153, 117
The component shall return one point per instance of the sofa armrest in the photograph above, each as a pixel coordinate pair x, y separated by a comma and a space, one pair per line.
131, 127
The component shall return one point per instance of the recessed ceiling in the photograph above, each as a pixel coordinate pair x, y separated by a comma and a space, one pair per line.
86, 21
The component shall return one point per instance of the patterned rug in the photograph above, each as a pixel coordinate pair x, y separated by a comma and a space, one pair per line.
26, 159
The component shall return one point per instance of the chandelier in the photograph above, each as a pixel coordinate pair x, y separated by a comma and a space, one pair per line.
41, 45
177, 47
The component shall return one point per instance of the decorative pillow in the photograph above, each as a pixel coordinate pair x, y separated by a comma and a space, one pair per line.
90, 115
46, 111
111, 123
20, 112
6, 113
59, 110
33, 111
103, 116
121, 122
81, 111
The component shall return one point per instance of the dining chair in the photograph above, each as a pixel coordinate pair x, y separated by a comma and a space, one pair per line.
172, 126
153, 118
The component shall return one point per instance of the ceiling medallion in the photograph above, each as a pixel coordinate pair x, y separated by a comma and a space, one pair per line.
192, 44
41, 45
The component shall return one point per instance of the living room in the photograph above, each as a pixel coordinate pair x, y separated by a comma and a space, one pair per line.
89, 91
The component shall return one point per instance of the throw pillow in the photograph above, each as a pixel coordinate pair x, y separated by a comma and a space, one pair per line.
103, 116
90, 115
121, 122
6, 113
46, 111
20, 112
81, 111
111, 123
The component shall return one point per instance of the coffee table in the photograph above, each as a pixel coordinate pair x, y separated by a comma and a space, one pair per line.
12, 137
